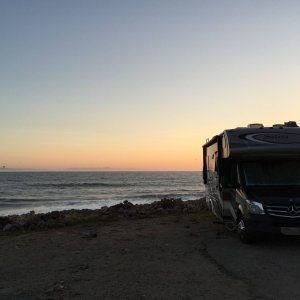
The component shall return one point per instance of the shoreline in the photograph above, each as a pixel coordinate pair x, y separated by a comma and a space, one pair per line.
127, 210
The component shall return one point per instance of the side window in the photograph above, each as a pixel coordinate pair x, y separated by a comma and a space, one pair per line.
216, 162
210, 163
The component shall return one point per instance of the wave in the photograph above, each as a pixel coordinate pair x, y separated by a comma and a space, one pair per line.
81, 184
183, 196
17, 201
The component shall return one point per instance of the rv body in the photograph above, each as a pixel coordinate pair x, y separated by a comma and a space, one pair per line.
252, 178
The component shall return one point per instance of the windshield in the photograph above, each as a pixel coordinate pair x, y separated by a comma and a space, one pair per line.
270, 172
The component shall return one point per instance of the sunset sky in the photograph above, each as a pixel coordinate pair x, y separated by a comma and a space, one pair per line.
140, 84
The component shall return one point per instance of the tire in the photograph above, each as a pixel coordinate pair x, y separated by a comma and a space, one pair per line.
243, 232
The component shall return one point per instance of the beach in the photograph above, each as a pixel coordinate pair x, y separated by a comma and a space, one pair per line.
175, 253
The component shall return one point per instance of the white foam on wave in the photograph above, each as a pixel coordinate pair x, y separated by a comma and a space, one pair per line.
80, 205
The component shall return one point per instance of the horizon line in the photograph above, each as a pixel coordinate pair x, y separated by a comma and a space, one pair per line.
108, 169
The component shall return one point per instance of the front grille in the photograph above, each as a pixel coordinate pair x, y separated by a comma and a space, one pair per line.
286, 211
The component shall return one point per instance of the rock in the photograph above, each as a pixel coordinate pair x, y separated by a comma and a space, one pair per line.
11, 227
127, 204
126, 209
4, 221
104, 209
167, 203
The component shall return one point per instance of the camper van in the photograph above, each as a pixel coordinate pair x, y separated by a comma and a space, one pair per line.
252, 178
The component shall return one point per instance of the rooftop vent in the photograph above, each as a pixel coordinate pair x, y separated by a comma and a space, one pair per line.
290, 124
255, 125
278, 126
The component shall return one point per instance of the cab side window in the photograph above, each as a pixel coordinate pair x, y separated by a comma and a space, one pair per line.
216, 162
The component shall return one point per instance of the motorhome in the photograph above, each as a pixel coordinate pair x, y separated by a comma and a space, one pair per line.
252, 178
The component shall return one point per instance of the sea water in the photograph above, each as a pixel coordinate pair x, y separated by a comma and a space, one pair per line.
22, 192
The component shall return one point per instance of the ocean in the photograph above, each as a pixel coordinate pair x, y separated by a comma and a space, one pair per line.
22, 192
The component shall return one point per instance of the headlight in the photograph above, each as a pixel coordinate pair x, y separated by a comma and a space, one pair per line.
255, 207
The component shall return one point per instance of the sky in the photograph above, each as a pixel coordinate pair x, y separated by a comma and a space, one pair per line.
140, 84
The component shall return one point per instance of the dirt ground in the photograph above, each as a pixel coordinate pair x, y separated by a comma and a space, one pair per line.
168, 257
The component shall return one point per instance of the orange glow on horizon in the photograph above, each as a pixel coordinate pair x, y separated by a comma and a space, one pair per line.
67, 154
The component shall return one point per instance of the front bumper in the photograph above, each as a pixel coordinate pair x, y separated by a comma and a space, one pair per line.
270, 224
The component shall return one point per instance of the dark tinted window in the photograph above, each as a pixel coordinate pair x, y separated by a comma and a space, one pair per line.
271, 172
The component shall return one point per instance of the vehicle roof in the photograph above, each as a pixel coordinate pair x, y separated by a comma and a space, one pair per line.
244, 141
260, 141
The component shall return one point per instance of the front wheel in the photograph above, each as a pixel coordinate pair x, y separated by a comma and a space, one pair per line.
243, 231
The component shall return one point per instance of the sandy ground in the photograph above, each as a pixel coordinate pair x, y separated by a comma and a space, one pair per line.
167, 257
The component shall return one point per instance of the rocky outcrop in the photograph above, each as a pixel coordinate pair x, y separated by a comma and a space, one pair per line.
126, 209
